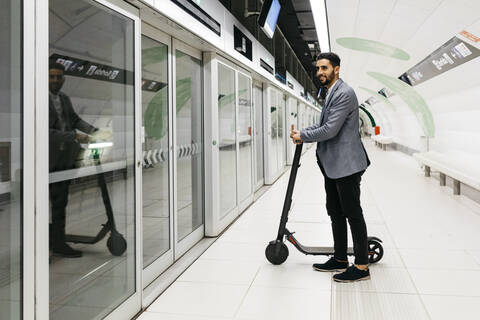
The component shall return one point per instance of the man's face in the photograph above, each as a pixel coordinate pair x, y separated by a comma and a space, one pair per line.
55, 80
326, 72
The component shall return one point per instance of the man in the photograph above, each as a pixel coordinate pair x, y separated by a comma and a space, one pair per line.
63, 152
342, 160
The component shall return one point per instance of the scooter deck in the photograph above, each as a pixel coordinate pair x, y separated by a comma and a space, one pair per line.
319, 251
79, 239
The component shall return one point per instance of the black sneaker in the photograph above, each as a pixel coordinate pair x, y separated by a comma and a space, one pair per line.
64, 250
331, 265
352, 274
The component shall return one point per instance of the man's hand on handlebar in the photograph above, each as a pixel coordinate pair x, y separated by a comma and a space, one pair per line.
295, 136
82, 137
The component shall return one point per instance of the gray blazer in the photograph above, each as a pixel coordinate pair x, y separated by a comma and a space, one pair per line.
339, 147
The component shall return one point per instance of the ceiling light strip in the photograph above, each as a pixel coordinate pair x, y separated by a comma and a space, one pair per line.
319, 11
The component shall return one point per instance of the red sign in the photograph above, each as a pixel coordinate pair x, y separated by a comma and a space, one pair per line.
470, 36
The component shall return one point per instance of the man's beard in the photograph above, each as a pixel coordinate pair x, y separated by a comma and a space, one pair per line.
55, 89
328, 80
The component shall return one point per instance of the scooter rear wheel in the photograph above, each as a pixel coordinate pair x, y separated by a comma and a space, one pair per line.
375, 251
276, 253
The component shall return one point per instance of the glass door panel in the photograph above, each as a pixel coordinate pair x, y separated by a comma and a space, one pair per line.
155, 98
273, 132
227, 139
281, 137
258, 92
11, 160
244, 136
189, 181
92, 154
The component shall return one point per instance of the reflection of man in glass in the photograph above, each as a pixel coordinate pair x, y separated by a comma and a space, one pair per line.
64, 150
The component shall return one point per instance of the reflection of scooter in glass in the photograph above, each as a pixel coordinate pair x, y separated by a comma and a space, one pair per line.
277, 251
116, 243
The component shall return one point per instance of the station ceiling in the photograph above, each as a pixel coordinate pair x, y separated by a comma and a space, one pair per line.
297, 25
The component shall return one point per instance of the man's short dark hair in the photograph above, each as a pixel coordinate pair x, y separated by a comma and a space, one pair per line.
330, 56
57, 66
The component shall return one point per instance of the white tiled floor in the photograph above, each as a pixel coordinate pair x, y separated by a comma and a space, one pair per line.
431, 267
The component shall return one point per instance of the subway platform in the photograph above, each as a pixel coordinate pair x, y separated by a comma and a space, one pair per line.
430, 269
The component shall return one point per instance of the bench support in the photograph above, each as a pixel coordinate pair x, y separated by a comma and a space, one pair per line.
456, 187
443, 179
384, 147
427, 171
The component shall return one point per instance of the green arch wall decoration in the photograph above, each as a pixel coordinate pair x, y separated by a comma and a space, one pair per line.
156, 115
154, 55
372, 120
410, 96
379, 97
224, 100
375, 47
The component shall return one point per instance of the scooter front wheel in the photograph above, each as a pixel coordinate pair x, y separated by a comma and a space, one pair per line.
276, 252
116, 244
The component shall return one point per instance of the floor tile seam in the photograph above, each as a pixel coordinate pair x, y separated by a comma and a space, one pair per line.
394, 292
449, 295
243, 242
309, 222
289, 287
470, 254
236, 242
444, 269
206, 316
378, 292
233, 259
183, 314
235, 314
214, 282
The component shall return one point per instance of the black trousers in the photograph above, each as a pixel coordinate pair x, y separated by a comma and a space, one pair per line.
59, 201
63, 160
343, 203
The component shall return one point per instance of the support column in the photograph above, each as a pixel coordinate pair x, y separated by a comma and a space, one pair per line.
443, 179
427, 171
456, 187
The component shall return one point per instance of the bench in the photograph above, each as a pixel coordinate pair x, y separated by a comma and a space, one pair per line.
382, 141
460, 167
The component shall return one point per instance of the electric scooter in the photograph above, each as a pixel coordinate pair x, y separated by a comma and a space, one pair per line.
277, 251
116, 243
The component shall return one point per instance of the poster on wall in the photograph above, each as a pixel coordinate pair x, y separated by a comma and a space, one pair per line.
452, 54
